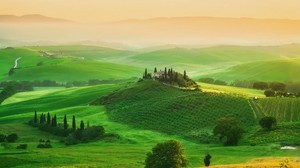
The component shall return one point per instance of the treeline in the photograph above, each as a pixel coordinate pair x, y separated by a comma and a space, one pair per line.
93, 82
73, 134
28, 85
170, 76
285, 89
277, 89
212, 81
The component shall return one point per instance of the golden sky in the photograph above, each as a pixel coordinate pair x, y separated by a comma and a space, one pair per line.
112, 10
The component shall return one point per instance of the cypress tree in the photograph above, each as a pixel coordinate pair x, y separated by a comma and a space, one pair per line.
35, 120
48, 118
146, 73
52, 122
55, 121
74, 123
81, 125
65, 122
165, 73
42, 118
88, 124
184, 74
155, 70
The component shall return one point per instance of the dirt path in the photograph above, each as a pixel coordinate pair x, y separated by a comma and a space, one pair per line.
16, 62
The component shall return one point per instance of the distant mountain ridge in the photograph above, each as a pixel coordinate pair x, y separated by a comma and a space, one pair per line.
31, 18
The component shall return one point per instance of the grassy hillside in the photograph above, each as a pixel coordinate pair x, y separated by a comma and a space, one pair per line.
60, 69
275, 70
243, 92
152, 105
85, 51
129, 151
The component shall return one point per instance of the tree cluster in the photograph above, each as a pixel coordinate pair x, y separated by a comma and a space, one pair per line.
50, 124
169, 154
267, 122
7, 92
44, 144
229, 130
82, 135
74, 134
212, 81
171, 77
9, 138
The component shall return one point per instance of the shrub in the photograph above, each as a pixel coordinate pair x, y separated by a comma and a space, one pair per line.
92, 133
229, 130
12, 137
44, 146
267, 122
269, 93
71, 139
168, 154
22, 146
2, 137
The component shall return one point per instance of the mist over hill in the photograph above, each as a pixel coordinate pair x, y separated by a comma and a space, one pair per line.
155, 31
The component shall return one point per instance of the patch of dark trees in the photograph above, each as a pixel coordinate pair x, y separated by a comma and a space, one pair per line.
169, 76
212, 81
74, 135
272, 89
9, 138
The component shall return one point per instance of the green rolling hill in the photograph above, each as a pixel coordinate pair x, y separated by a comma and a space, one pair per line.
152, 105
59, 68
85, 51
274, 70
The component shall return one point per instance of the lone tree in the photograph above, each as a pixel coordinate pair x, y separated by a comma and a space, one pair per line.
81, 125
169, 154
184, 74
48, 118
74, 123
267, 122
35, 120
65, 122
229, 130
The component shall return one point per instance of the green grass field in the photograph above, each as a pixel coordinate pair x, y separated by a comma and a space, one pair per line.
146, 113
61, 69
243, 92
282, 70
129, 151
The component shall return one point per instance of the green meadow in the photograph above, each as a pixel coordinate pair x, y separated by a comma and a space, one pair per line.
127, 151
146, 112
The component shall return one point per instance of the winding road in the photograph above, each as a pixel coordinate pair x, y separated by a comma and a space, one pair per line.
16, 62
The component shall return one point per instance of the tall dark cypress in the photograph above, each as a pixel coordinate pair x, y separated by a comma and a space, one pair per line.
42, 118
146, 74
81, 125
74, 123
184, 74
155, 70
165, 73
65, 122
48, 118
35, 120
55, 121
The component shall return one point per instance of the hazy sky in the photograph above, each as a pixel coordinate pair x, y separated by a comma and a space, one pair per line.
111, 10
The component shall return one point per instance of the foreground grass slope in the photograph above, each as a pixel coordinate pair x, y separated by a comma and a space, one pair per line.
60, 69
153, 105
128, 151
275, 70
